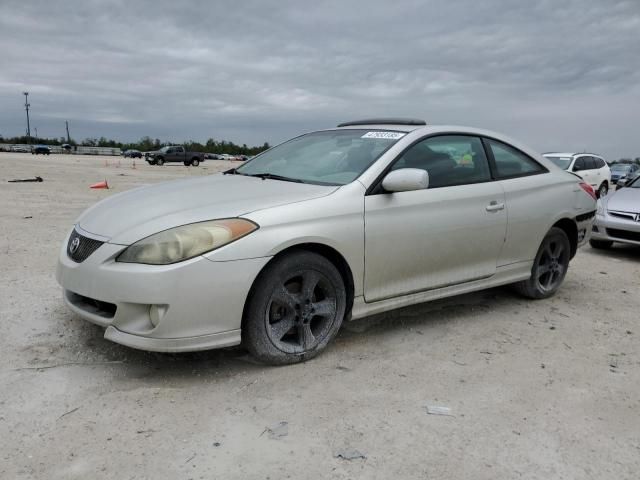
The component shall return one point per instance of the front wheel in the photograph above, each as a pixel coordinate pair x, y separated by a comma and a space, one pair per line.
295, 309
160, 161
549, 267
195, 162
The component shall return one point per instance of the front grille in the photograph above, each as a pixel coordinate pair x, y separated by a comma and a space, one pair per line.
624, 234
626, 215
80, 247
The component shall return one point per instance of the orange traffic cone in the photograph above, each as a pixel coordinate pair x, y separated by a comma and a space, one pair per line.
100, 185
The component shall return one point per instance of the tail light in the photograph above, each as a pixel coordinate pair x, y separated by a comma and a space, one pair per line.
589, 189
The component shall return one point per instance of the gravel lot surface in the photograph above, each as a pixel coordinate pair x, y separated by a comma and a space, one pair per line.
546, 389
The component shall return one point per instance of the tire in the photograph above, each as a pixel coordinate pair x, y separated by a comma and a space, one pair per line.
195, 162
549, 267
281, 323
601, 244
160, 161
603, 190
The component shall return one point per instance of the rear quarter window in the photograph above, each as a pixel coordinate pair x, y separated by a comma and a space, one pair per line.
510, 163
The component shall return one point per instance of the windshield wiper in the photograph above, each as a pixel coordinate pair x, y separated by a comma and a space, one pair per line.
273, 176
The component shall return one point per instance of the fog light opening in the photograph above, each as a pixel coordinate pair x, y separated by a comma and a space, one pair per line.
156, 312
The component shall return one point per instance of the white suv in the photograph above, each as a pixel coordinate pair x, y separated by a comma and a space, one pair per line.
591, 168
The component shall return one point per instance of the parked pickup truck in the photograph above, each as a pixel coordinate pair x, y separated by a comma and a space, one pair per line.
174, 153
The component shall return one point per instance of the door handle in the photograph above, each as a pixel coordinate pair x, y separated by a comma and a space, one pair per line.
494, 206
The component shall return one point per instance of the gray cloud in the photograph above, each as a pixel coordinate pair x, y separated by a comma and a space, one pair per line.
557, 75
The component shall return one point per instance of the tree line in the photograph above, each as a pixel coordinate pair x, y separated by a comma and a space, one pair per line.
146, 144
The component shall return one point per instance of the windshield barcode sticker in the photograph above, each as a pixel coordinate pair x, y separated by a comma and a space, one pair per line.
387, 135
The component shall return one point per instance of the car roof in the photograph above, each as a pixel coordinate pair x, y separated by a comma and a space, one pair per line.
429, 129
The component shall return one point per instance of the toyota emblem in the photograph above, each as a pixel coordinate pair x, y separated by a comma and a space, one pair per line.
75, 244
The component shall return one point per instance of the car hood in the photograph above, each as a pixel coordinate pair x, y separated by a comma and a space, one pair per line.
625, 200
130, 216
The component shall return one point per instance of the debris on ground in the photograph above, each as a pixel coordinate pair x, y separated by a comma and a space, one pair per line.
21, 180
439, 410
69, 412
348, 453
99, 185
278, 431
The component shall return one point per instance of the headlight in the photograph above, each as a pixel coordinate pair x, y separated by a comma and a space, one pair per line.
185, 242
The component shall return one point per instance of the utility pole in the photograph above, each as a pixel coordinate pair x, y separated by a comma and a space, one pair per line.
36, 129
26, 107
68, 137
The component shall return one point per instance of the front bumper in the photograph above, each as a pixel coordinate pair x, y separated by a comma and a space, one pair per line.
616, 229
198, 303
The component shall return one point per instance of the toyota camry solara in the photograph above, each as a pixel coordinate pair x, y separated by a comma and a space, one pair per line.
332, 225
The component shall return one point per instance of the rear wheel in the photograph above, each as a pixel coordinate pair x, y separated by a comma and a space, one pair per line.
549, 267
295, 309
601, 244
603, 190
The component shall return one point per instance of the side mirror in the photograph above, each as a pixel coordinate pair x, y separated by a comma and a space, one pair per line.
406, 180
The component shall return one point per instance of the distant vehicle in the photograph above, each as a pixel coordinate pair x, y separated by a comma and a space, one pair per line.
211, 156
623, 171
623, 182
174, 153
40, 149
591, 168
19, 149
618, 217
132, 154
225, 156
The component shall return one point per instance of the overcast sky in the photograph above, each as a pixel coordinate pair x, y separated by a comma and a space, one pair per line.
558, 75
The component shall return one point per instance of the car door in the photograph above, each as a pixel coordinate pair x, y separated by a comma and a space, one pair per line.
604, 172
592, 173
580, 167
449, 233
531, 200
595, 176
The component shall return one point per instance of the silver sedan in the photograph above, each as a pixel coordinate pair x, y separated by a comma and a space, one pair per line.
618, 217
332, 225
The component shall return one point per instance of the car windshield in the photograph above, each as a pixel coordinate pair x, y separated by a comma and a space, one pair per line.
562, 162
164, 149
620, 168
332, 157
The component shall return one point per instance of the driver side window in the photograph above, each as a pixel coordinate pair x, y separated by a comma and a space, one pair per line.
449, 160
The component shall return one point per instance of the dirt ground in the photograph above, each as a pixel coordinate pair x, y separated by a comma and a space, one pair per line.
547, 389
